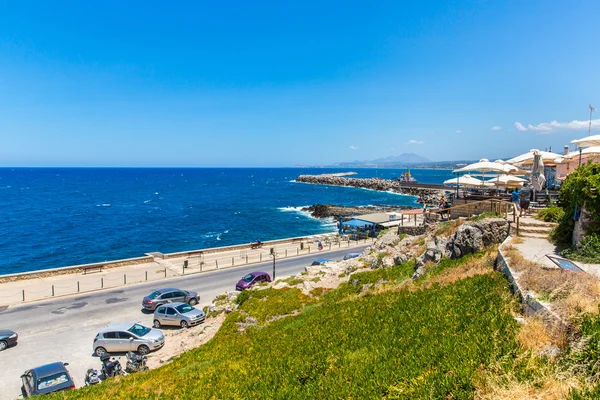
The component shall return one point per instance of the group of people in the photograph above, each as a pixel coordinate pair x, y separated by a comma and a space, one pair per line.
521, 199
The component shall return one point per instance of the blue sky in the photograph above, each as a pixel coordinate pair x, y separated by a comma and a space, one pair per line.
283, 83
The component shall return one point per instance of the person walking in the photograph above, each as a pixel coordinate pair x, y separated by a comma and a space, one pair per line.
514, 198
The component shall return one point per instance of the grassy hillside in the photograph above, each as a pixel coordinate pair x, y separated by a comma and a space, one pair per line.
430, 339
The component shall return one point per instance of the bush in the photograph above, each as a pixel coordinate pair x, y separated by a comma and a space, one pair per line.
588, 251
582, 187
551, 214
488, 214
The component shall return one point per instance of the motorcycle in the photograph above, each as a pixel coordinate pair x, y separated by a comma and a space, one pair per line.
91, 377
110, 367
135, 362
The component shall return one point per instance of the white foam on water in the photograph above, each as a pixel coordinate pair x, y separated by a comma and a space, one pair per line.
103, 205
147, 201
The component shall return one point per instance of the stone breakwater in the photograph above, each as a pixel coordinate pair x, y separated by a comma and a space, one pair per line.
425, 195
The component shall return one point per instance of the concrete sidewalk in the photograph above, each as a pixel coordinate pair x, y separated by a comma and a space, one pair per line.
536, 249
38, 288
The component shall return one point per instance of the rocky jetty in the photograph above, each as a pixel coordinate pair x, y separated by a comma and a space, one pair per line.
336, 211
425, 195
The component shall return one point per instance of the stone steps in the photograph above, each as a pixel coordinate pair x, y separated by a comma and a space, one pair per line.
535, 229
533, 235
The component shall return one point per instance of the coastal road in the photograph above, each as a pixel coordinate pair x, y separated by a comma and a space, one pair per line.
63, 329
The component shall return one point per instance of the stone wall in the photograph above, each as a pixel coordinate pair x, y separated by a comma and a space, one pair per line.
412, 230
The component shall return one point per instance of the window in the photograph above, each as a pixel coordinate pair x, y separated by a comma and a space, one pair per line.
167, 296
110, 335
170, 311
139, 330
183, 308
154, 295
124, 335
161, 310
178, 294
52, 380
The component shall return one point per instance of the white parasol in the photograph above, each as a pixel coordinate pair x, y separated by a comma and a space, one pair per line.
548, 157
587, 141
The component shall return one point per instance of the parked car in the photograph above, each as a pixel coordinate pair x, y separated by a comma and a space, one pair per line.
128, 336
7, 338
320, 261
251, 279
169, 295
351, 255
46, 379
181, 314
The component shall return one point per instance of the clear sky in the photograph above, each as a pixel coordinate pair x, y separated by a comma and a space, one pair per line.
280, 83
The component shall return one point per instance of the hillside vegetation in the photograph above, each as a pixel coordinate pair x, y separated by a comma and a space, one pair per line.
379, 335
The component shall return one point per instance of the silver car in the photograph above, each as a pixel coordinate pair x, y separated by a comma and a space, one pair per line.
128, 336
181, 314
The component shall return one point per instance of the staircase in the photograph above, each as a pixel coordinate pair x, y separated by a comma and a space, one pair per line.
533, 228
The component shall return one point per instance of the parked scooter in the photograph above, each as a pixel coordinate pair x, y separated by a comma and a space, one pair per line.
91, 377
110, 367
135, 362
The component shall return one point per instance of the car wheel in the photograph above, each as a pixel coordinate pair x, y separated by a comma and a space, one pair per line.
193, 302
3, 345
100, 351
143, 350
156, 324
184, 324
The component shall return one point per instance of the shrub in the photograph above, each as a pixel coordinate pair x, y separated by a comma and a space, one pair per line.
488, 214
588, 251
551, 214
582, 187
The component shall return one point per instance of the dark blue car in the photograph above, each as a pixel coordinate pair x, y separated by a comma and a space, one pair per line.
46, 379
8, 338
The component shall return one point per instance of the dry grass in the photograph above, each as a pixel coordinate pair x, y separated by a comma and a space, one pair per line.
470, 268
536, 335
448, 228
517, 261
517, 240
546, 385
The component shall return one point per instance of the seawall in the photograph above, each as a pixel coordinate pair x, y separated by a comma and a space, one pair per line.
426, 193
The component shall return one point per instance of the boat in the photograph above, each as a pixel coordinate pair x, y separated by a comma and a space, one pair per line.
406, 177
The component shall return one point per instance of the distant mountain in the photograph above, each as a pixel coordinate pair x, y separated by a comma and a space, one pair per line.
401, 160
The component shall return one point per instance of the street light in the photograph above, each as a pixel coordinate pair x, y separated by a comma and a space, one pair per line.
592, 109
273, 254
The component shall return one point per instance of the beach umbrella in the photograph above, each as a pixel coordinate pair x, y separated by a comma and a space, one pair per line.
484, 165
507, 180
587, 141
465, 180
537, 174
547, 157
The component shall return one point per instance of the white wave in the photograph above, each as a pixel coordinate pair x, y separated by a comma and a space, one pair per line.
219, 236
155, 192
291, 209
227, 231
147, 201
103, 205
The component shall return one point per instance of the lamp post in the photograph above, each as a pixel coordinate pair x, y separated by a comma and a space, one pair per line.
592, 109
272, 254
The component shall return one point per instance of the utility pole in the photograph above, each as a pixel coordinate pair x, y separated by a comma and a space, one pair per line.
272, 254
592, 109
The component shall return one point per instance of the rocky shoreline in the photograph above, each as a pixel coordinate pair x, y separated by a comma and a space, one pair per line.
425, 195
336, 211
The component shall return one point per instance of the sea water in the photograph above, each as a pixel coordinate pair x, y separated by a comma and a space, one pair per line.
55, 217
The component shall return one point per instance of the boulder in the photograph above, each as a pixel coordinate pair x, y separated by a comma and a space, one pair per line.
473, 237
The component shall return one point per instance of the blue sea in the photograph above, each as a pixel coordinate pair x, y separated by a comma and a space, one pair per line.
56, 217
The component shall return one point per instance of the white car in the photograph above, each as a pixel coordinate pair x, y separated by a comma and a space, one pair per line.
128, 336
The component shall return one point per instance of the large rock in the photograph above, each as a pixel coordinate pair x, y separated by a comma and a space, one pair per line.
472, 237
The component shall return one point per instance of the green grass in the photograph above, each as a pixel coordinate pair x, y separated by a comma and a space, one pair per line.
488, 214
292, 280
424, 344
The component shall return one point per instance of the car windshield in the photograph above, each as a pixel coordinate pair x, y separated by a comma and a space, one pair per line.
52, 380
154, 295
184, 308
139, 330
248, 278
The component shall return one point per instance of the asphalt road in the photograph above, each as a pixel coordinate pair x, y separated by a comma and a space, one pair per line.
63, 329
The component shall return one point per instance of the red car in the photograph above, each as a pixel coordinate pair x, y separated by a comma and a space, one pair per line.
251, 279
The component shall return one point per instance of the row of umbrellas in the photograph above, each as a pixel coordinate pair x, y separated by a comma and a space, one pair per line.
509, 172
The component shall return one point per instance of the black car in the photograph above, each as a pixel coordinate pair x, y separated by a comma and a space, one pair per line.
46, 379
169, 295
7, 338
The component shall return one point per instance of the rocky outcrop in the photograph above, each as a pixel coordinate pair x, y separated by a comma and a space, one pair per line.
425, 195
470, 237
332, 210
473, 237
